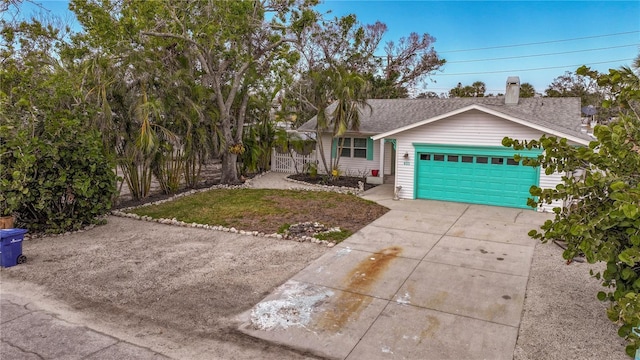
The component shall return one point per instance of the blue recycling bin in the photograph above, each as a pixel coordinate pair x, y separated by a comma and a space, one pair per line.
11, 247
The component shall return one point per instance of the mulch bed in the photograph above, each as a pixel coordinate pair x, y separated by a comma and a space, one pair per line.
346, 181
157, 196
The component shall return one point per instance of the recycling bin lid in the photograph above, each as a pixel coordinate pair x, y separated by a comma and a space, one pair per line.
5, 233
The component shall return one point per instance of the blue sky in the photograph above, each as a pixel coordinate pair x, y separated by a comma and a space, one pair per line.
459, 26
603, 34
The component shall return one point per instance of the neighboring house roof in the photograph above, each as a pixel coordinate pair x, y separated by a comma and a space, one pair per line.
388, 116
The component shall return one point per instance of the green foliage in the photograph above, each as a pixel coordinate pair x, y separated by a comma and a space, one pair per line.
584, 84
68, 180
311, 169
527, 90
16, 171
168, 167
55, 173
200, 62
258, 141
339, 65
334, 236
576, 85
261, 136
477, 89
350, 90
283, 228
384, 88
601, 190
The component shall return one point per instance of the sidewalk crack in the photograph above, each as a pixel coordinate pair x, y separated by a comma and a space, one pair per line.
23, 350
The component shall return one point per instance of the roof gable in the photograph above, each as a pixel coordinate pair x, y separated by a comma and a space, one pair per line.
498, 114
557, 116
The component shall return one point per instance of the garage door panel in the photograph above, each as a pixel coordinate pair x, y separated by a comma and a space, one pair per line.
475, 178
512, 188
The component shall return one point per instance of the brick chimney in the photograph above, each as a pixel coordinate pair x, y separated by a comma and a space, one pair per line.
512, 95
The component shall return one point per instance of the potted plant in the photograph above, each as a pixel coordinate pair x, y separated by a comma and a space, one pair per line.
7, 222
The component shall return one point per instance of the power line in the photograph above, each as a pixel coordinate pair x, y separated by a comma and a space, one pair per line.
447, 89
538, 55
539, 43
534, 69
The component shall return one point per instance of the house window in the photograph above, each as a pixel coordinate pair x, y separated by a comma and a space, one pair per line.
354, 147
346, 147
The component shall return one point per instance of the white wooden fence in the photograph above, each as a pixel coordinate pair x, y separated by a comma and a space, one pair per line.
290, 162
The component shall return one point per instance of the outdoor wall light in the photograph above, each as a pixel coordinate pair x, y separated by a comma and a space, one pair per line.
406, 156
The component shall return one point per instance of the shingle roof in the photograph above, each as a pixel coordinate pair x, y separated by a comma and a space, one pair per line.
383, 115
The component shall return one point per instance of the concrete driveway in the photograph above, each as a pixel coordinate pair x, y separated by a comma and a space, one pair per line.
428, 280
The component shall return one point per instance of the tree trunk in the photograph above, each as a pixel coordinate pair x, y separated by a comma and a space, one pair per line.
229, 169
321, 149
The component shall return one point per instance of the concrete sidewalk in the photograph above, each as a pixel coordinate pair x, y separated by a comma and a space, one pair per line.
428, 280
276, 180
29, 332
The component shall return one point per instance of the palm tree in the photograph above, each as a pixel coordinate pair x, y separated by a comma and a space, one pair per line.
318, 98
527, 90
479, 88
625, 84
350, 90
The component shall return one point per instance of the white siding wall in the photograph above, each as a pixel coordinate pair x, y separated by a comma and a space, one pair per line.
550, 182
350, 166
470, 128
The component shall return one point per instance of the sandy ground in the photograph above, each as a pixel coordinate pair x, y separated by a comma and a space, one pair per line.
168, 288
175, 290
562, 319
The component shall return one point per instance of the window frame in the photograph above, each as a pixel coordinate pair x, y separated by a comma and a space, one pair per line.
350, 150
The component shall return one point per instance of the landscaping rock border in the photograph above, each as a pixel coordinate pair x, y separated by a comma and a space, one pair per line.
247, 184
338, 189
176, 222
343, 190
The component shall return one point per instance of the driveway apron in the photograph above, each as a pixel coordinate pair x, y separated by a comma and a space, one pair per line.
428, 280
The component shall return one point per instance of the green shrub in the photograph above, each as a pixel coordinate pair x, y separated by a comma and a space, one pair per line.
602, 219
16, 162
601, 190
66, 180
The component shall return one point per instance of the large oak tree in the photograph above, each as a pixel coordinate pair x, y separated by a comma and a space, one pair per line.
232, 45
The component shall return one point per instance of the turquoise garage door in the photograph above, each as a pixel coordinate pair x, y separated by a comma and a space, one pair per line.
479, 175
